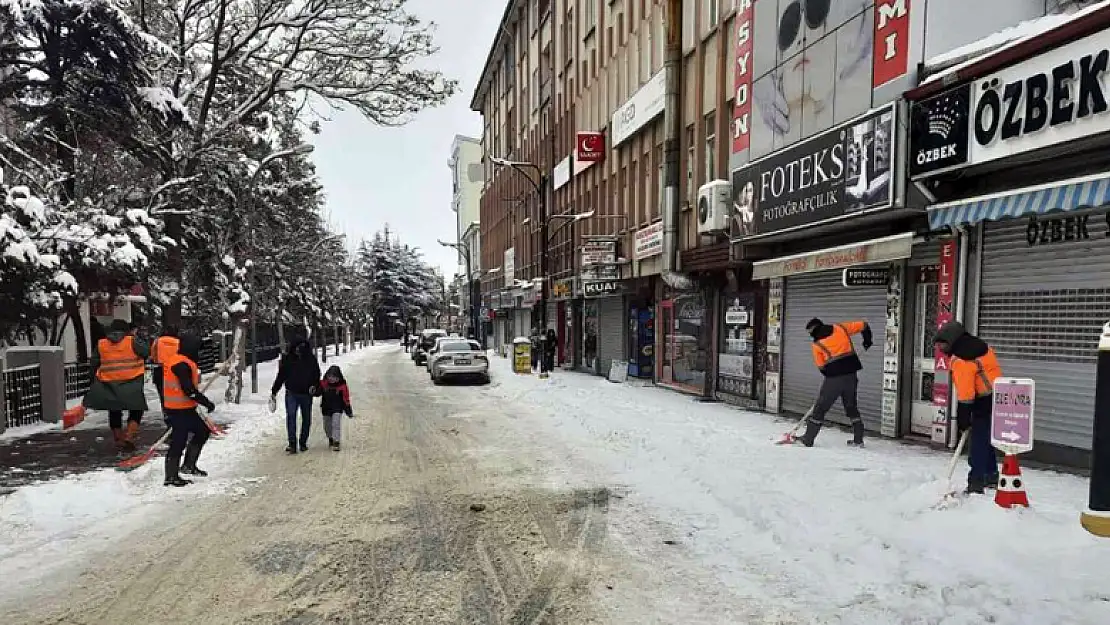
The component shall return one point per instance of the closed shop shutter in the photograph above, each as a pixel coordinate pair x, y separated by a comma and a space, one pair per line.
1041, 308
610, 332
824, 296
925, 253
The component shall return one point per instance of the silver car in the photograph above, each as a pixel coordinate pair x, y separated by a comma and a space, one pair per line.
458, 358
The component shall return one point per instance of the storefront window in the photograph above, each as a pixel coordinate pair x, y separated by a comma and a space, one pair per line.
686, 339
736, 356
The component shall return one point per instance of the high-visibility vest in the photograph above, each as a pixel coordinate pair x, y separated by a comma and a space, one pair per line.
975, 378
838, 345
164, 347
118, 361
175, 397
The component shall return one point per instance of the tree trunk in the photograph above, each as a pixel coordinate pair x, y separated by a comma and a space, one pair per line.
72, 308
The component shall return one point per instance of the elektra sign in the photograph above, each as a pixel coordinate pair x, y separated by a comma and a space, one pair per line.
844, 171
1057, 97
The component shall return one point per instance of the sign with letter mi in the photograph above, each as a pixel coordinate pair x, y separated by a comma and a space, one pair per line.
892, 41
1012, 416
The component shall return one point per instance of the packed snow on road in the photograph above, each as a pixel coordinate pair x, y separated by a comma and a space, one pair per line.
706, 519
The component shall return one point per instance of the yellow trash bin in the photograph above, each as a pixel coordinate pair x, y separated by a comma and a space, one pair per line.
522, 355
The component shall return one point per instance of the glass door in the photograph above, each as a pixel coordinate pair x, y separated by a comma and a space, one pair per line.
666, 355
925, 328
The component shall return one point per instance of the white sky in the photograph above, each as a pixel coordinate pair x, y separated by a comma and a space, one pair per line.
374, 176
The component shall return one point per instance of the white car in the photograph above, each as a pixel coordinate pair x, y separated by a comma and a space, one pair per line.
458, 358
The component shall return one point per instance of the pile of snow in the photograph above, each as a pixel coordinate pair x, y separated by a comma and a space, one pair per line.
48, 525
823, 535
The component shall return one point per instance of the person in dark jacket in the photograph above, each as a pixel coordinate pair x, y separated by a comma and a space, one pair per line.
299, 372
335, 401
119, 378
974, 368
550, 344
835, 357
181, 396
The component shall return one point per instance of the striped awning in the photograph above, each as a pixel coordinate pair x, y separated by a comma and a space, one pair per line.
1066, 195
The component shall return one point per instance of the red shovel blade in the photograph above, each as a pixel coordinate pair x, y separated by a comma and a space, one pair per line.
73, 416
787, 439
134, 462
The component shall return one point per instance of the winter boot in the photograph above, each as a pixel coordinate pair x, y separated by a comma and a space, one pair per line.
172, 476
811, 434
975, 486
132, 436
857, 435
335, 445
291, 450
304, 446
991, 482
189, 465
119, 437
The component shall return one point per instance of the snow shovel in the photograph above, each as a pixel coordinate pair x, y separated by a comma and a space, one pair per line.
952, 492
73, 416
792, 436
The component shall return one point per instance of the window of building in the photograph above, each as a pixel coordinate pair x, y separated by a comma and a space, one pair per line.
691, 158
710, 147
589, 20
710, 14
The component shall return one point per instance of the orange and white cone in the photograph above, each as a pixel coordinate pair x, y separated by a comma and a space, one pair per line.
1011, 488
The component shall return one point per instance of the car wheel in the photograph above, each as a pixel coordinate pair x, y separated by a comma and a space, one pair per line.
437, 380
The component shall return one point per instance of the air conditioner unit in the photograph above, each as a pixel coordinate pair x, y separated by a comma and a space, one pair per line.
714, 202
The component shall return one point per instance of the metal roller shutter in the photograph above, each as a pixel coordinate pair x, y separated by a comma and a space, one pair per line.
925, 253
1041, 308
823, 295
610, 332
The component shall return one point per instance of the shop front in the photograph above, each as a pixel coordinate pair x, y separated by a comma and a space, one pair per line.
686, 337
1031, 202
560, 317
603, 309
826, 224
741, 343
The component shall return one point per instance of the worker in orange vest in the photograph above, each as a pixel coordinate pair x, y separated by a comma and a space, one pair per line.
974, 368
836, 358
118, 384
163, 348
181, 385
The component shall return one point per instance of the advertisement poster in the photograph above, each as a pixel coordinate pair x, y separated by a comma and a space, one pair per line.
774, 345
735, 361
892, 338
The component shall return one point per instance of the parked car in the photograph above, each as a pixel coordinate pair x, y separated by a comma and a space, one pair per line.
459, 358
424, 345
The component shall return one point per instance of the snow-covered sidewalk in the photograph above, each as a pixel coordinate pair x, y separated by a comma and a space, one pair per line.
46, 525
823, 535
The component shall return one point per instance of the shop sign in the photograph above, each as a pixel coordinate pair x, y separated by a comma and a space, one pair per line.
590, 147
598, 258
892, 41
649, 241
1062, 229
562, 289
946, 297
644, 106
886, 249
508, 266
600, 288
561, 175
528, 297
736, 316
939, 132
865, 276
1057, 97
1012, 416
742, 111
842, 172
690, 308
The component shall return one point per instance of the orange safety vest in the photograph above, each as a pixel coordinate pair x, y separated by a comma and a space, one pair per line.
164, 347
838, 345
175, 397
118, 361
975, 378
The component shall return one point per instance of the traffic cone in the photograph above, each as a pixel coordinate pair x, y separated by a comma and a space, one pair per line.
1011, 488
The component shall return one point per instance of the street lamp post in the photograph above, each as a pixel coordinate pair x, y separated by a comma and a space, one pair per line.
464, 250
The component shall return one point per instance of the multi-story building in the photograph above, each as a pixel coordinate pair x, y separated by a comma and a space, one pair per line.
466, 186
743, 166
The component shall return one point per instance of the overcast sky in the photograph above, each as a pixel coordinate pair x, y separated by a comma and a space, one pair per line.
374, 176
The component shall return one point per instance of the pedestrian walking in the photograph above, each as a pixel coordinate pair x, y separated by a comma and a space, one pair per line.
974, 368
405, 340
335, 401
189, 432
537, 348
117, 386
550, 344
299, 373
836, 358
164, 347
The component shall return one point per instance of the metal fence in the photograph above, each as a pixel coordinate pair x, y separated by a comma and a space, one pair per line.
22, 396
78, 377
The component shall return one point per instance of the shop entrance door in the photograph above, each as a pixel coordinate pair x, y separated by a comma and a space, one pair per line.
924, 329
666, 355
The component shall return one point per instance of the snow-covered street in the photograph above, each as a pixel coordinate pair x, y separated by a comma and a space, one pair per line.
570, 500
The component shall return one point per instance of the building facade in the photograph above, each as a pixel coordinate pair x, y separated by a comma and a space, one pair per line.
467, 174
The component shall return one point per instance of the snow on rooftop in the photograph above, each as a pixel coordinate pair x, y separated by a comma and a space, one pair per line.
1001, 40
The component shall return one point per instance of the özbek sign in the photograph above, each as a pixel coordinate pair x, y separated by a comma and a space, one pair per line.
1012, 416
892, 41
742, 111
1056, 97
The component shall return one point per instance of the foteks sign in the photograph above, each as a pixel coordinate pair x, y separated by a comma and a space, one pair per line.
590, 147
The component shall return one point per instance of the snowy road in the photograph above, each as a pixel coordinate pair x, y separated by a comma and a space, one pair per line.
575, 501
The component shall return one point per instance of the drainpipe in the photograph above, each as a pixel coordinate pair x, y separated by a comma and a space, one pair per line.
672, 120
